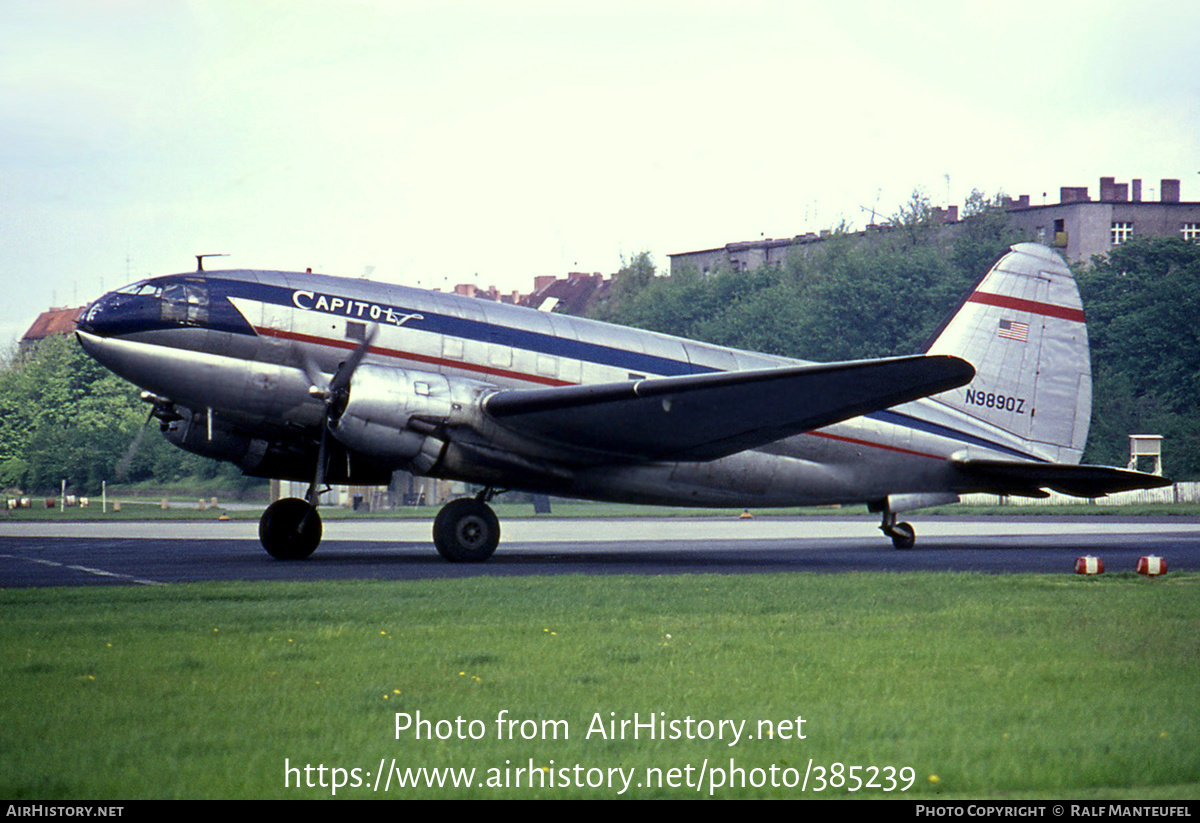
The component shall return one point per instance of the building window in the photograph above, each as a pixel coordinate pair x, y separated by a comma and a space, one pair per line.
1121, 232
1190, 231
1060, 233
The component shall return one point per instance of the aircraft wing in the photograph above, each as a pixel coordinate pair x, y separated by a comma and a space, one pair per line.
1027, 479
706, 416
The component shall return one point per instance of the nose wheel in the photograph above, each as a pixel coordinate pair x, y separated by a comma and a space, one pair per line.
466, 531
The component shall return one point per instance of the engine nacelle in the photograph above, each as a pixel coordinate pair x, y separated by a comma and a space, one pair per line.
199, 433
286, 458
392, 414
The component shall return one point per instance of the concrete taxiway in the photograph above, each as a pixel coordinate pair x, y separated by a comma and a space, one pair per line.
160, 552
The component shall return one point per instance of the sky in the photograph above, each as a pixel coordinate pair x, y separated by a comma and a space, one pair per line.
462, 141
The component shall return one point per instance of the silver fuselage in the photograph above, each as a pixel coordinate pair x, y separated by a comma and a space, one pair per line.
228, 350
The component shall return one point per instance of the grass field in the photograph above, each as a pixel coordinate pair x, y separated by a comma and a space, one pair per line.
965, 686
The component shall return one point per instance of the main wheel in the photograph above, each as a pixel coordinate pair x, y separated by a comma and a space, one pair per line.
466, 531
290, 529
903, 535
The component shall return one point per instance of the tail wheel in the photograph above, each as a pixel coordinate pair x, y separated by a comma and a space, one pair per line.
903, 535
466, 531
290, 529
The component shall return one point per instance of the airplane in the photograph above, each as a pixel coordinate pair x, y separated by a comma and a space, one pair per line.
330, 380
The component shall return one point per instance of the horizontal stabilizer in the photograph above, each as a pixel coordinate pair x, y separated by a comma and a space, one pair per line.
1013, 477
707, 416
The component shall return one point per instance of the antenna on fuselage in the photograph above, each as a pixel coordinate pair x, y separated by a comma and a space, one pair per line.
200, 260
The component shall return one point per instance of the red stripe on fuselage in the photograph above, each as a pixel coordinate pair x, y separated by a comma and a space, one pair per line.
1032, 306
350, 345
858, 442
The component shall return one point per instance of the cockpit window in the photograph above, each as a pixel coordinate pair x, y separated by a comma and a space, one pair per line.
144, 288
185, 303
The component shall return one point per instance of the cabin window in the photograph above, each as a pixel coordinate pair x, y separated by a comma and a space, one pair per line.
452, 347
547, 365
500, 355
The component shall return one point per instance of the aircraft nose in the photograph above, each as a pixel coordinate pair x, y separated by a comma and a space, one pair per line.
98, 317
85, 322
118, 313
91, 344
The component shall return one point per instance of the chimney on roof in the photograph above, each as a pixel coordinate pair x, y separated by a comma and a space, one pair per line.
1113, 192
1137, 191
1073, 194
1170, 191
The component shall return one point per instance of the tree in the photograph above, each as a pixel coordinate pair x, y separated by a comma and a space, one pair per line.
915, 218
63, 416
59, 414
1141, 302
984, 234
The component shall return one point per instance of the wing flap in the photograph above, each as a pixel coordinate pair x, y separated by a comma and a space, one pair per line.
1013, 477
707, 416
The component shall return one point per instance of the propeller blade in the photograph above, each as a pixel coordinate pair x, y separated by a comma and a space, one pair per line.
341, 379
314, 491
318, 382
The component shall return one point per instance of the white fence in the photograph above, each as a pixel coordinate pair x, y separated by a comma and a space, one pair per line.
1178, 493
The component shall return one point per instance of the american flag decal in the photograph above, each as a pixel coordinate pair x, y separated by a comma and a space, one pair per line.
1014, 330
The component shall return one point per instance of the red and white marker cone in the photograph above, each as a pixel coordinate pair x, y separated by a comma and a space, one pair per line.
1151, 565
1089, 565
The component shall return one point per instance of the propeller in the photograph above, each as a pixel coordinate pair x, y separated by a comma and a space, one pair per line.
164, 410
121, 471
336, 393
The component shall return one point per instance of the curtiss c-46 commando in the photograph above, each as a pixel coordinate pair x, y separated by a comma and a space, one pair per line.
329, 380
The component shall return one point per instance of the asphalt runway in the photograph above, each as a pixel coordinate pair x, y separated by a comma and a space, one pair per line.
152, 553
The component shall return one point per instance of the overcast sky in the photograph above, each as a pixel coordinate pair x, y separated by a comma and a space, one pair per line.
435, 143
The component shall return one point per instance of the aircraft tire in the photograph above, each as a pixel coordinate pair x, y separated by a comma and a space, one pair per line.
466, 531
904, 536
290, 529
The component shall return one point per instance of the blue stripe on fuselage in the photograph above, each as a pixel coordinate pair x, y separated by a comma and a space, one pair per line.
906, 421
437, 323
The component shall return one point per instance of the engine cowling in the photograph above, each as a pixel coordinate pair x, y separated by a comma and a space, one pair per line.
393, 415
285, 458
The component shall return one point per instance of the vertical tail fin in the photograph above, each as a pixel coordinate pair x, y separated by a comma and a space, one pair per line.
1023, 330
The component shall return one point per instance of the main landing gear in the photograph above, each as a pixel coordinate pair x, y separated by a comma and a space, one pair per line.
467, 530
290, 529
903, 535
